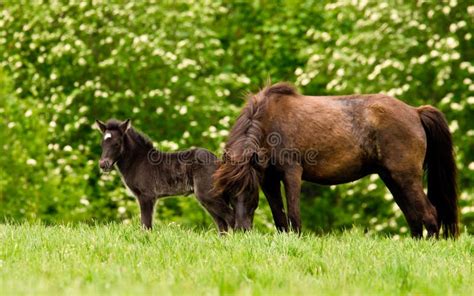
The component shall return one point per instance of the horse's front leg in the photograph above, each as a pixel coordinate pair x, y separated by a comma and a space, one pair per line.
146, 210
271, 188
292, 182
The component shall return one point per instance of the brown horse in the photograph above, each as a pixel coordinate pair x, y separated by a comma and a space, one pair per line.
281, 135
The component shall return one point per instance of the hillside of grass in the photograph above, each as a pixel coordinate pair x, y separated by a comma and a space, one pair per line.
123, 260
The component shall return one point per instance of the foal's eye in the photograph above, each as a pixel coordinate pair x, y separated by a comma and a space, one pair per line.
117, 145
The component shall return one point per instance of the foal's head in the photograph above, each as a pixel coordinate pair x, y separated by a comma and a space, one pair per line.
112, 142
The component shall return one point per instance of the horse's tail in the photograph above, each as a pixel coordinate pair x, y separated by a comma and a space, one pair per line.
441, 168
241, 164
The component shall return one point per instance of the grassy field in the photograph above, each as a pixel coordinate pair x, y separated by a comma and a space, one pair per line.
118, 259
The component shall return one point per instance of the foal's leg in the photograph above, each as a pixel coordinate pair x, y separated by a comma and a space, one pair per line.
292, 182
146, 210
407, 190
272, 190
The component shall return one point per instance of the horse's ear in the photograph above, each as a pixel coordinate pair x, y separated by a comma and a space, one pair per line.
124, 126
102, 126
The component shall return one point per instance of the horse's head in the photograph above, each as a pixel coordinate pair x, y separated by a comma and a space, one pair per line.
112, 142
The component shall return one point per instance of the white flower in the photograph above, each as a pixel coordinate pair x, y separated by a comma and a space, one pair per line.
183, 110
470, 9
451, 42
454, 126
456, 106
31, 162
340, 72
129, 93
453, 28
305, 81
122, 210
471, 166
445, 57
244, 79
372, 187
84, 201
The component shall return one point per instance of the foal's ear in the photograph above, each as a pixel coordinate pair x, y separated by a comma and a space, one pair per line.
101, 125
124, 126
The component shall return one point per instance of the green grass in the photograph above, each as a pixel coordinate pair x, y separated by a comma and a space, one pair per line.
118, 259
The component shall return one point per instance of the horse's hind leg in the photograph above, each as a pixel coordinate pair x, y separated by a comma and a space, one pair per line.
407, 190
271, 188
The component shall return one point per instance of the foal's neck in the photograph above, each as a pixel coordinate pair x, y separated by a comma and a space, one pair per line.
133, 153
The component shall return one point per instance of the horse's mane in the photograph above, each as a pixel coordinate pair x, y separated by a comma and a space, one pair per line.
282, 88
245, 140
247, 125
137, 137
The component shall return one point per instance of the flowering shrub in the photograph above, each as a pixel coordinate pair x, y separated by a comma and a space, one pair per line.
179, 71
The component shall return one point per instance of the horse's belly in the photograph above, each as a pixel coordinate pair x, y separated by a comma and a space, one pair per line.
334, 179
332, 173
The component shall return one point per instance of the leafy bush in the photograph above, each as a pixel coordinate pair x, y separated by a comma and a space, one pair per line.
179, 70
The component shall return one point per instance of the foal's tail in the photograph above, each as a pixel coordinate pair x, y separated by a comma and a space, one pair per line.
441, 168
242, 163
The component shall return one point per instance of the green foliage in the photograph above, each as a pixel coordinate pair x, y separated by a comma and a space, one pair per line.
125, 260
179, 69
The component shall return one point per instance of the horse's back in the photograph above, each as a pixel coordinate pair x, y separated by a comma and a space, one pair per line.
351, 134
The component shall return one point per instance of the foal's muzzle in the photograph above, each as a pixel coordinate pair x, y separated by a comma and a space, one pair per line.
105, 165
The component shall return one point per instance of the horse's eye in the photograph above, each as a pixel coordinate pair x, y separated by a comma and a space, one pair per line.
117, 145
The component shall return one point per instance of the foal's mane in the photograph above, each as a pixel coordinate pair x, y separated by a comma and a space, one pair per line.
137, 137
